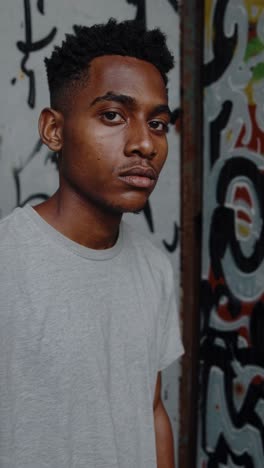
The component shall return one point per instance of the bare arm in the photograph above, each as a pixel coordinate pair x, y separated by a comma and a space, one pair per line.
163, 431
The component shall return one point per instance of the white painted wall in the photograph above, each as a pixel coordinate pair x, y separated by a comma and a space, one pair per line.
18, 121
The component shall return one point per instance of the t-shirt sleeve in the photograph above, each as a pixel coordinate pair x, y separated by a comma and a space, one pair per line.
171, 347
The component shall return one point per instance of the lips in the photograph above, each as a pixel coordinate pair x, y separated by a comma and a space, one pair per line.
138, 176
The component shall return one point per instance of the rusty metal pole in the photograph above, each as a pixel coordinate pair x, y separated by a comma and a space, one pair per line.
191, 196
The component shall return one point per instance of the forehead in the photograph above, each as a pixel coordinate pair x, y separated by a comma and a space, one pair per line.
126, 75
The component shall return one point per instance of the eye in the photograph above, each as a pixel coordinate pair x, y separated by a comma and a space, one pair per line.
111, 116
159, 126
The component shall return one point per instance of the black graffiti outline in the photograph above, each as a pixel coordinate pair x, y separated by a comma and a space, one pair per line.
174, 4
221, 236
149, 216
223, 46
40, 6
28, 46
141, 15
256, 328
214, 356
175, 115
221, 453
222, 232
16, 172
172, 246
140, 12
216, 127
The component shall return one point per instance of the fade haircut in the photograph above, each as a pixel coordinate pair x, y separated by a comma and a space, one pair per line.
68, 66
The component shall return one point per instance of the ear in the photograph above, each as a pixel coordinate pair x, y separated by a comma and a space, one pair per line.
51, 128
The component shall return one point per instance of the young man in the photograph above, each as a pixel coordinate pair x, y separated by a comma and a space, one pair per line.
88, 317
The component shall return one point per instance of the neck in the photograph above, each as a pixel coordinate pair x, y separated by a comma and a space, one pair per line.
81, 221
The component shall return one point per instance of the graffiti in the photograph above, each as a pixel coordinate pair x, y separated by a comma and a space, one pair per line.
174, 4
28, 46
171, 247
18, 171
223, 46
141, 11
231, 414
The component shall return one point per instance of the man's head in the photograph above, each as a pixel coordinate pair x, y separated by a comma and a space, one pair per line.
109, 114
68, 65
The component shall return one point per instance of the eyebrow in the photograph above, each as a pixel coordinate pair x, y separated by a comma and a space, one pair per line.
130, 102
110, 96
162, 109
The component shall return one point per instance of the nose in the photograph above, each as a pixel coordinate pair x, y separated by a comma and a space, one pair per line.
140, 142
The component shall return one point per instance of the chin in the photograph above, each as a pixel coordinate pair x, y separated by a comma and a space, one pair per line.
121, 205
135, 207
136, 210
127, 207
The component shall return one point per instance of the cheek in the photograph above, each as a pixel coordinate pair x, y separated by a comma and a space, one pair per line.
163, 152
93, 154
107, 152
81, 151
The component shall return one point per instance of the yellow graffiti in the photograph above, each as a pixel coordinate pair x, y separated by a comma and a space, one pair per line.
243, 231
254, 9
208, 10
229, 135
249, 92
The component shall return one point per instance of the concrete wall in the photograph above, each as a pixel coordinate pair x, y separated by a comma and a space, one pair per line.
28, 31
231, 417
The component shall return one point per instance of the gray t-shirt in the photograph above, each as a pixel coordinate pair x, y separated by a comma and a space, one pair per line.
83, 334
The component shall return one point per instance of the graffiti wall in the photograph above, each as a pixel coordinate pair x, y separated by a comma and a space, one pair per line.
231, 413
29, 29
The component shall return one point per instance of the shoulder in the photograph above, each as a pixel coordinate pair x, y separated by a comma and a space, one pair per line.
7, 224
14, 230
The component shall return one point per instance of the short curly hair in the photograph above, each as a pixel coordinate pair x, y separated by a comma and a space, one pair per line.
68, 65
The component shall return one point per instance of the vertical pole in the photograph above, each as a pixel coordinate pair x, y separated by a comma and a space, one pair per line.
191, 196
